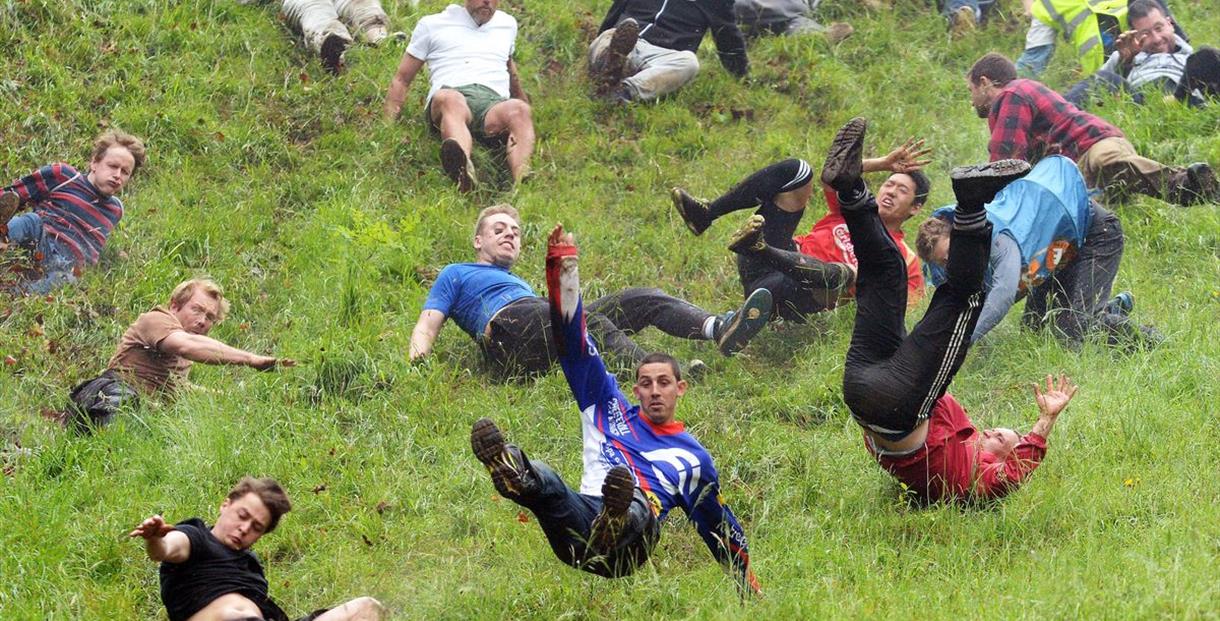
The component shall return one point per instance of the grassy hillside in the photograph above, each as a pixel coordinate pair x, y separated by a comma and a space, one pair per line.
322, 222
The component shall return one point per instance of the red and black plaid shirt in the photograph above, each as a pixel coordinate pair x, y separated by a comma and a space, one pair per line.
1029, 121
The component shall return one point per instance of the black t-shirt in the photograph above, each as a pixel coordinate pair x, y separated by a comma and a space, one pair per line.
212, 570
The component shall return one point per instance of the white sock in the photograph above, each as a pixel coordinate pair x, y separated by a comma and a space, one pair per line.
709, 328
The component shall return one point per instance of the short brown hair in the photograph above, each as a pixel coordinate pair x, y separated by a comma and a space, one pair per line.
268, 491
661, 358
931, 231
119, 138
995, 67
184, 291
502, 208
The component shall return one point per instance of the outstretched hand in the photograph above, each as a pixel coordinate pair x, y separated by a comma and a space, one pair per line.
908, 157
152, 528
559, 237
1128, 44
1057, 395
269, 363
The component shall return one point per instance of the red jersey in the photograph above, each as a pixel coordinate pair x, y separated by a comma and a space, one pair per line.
829, 241
948, 466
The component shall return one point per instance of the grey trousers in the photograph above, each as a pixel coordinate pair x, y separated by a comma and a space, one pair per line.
653, 70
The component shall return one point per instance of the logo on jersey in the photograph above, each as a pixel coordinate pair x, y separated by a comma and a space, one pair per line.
684, 462
1044, 263
616, 418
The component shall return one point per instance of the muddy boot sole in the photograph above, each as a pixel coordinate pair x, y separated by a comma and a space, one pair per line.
692, 210
622, 42
844, 163
332, 53
746, 323
456, 165
618, 489
975, 186
748, 238
505, 464
9, 204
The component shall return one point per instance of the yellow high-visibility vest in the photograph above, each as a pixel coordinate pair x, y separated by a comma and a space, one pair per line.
1076, 20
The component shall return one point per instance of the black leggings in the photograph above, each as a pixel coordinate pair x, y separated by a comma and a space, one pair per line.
522, 342
891, 379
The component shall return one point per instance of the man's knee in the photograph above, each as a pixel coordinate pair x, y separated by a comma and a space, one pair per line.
687, 64
449, 102
516, 114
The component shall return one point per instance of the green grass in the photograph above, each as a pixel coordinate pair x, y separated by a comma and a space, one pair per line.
319, 218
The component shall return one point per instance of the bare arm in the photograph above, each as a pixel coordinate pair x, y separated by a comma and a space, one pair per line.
424, 333
906, 158
1050, 403
514, 83
394, 97
161, 541
199, 348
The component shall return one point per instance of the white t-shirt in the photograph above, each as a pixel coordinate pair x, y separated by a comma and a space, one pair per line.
460, 52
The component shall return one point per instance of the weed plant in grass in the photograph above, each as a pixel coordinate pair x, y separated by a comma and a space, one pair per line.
324, 223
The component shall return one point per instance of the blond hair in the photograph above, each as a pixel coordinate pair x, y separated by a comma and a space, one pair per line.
119, 138
502, 208
185, 291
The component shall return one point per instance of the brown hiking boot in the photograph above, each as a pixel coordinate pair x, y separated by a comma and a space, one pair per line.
963, 22
838, 32
618, 489
749, 237
614, 63
457, 165
509, 469
844, 163
693, 211
9, 204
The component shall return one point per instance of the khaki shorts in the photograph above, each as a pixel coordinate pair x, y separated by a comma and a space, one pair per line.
479, 99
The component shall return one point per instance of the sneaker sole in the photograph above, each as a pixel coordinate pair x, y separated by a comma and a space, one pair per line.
845, 153
679, 199
747, 236
746, 323
1204, 183
454, 162
618, 490
625, 36
1000, 169
488, 445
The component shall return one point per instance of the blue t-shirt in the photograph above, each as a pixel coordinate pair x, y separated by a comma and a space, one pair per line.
471, 293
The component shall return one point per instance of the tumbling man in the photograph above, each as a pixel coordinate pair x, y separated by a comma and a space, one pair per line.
72, 213
786, 17
156, 352
894, 383
813, 272
1029, 121
1050, 240
511, 323
645, 49
639, 462
211, 574
473, 91
321, 23
1151, 53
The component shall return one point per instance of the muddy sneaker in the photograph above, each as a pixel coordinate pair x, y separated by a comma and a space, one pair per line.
962, 23
457, 165
9, 204
1120, 304
693, 211
749, 238
734, 329
510, 472
617, 491
374, 35
844, 163
975, 186
332, 52
614, 63
1201, 185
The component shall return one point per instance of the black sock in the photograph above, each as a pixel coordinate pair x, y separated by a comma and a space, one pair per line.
762, 186
781, 225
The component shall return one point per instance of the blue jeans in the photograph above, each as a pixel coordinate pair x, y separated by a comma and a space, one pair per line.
1033, 60
566, 518
979, 6
55, 262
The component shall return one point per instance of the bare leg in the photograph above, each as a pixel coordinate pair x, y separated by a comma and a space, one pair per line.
451, 114
359, 609
513, 116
